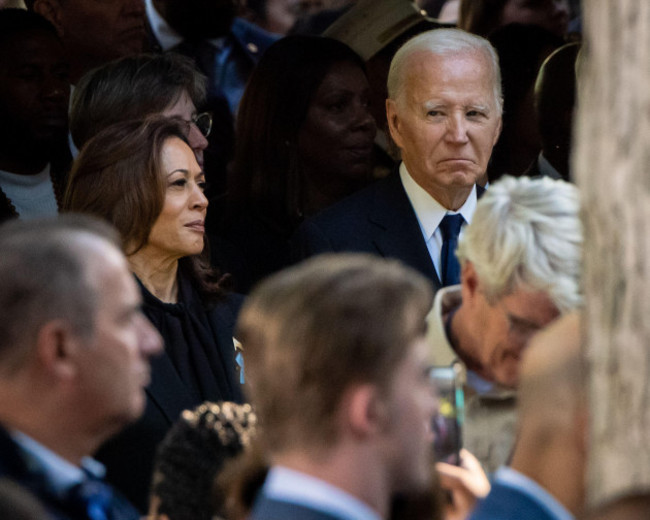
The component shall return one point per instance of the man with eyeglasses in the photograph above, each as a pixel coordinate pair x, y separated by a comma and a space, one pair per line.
520, 264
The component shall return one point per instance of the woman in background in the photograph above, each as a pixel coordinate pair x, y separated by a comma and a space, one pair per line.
304, 141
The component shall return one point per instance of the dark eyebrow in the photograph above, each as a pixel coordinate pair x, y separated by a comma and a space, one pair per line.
182, 170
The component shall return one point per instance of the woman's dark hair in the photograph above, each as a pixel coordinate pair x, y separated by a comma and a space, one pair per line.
15, 21
522, 48
117, 176
266, 171
480, 16
133, 87
192, 456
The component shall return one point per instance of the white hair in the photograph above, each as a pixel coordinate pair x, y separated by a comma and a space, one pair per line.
527, 233
444, 42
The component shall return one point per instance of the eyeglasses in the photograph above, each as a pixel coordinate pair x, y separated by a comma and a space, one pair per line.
202, 121
518, 326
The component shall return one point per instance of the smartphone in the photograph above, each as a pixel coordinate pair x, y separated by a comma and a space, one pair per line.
448, 422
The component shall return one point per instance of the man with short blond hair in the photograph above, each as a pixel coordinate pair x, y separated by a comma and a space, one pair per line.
338, 371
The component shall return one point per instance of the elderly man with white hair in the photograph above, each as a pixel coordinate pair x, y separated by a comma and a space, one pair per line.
444, 113
520, 269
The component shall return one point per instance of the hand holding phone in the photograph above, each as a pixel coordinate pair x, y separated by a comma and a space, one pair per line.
448, 422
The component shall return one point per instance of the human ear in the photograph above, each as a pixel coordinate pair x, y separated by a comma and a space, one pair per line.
497, 133
366, 411
469, 282
51, 9
392, 116
56, 348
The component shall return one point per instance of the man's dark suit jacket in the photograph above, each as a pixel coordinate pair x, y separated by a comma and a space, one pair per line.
507, 503
379, 220
129, 457
14, 466
268, 509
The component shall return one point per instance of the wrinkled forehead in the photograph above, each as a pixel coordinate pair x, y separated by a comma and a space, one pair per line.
478, 60
473, 71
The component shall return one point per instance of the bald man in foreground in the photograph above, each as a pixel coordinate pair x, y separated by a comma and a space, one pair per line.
546, 478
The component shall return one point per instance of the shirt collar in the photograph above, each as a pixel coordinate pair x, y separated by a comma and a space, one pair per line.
509, 477
288, 485
60, 474
546, 168
166, 36
446, 300
428, 210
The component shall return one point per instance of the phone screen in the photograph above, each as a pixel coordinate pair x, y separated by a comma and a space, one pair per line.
448, 422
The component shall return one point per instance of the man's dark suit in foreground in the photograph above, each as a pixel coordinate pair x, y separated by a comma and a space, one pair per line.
343, 393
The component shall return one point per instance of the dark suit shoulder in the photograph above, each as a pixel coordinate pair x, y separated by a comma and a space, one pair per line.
349, 224
269, 509
359, 205
507, 503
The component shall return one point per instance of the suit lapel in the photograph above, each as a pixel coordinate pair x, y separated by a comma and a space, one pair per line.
221, 320
396, 232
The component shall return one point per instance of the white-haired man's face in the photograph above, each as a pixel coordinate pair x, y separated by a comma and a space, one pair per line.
502, 327
510, 322
446, 120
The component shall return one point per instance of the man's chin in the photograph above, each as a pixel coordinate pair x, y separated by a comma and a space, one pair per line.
462, 178
507, 379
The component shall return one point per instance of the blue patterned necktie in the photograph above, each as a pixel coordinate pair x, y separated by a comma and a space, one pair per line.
94, 497
449, 266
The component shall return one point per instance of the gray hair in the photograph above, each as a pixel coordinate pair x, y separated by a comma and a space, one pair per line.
44, 276
444, 42
527, 233
133, 87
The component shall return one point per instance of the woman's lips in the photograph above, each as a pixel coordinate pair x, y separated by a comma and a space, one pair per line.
197, 225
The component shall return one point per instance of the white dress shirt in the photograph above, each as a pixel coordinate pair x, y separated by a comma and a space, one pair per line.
430, 213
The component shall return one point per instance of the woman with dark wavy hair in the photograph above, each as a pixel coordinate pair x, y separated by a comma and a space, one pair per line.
143, 177
304, 141
483, 17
